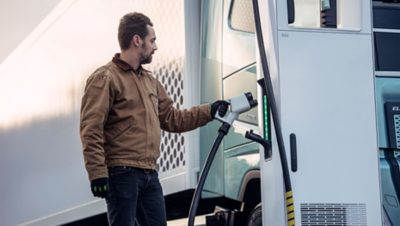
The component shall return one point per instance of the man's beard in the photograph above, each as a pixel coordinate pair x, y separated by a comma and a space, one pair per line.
147, 59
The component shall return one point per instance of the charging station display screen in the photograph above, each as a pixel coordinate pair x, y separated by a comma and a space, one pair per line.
397, 129
393, 123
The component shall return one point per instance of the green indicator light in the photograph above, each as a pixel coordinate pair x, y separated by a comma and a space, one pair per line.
265, 118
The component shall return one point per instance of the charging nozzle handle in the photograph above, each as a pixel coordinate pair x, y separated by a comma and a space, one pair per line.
238, 105
252, 102
257, 138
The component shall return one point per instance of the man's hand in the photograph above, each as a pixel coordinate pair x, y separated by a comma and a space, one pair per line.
99, 187
221, 106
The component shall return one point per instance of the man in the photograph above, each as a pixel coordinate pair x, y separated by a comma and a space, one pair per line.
123, 111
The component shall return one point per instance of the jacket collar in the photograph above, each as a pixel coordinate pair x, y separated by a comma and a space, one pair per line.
125, 66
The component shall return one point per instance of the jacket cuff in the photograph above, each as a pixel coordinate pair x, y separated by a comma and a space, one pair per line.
206, 110
98, 174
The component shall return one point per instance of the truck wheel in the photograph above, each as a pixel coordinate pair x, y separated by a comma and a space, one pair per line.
255, 217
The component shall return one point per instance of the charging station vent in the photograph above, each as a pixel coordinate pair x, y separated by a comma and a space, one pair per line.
344, 214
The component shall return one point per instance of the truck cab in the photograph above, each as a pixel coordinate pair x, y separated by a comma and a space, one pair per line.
318, 84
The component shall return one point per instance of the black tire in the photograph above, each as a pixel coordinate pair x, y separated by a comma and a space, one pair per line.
255, 217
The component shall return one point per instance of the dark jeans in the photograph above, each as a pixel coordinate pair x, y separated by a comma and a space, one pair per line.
135, 195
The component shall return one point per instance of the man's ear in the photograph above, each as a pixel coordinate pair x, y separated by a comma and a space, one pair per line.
136, 41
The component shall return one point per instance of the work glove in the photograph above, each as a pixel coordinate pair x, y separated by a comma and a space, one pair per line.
99, 187
221, 106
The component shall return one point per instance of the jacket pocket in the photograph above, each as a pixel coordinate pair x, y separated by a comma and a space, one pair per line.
154, 100
117, 129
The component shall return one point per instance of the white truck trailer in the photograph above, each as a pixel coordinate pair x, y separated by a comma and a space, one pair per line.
335, 74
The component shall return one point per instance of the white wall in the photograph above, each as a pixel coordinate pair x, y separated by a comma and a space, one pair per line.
18, 18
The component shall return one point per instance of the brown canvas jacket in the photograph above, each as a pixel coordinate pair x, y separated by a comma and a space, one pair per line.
122, 114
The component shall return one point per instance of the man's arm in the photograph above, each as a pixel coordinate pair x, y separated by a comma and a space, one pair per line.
174, 120
94, 111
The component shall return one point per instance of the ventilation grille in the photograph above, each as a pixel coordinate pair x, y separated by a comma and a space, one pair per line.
172, 144
344, 214
168, 68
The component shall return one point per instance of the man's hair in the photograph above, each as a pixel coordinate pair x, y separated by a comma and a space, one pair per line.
132, 24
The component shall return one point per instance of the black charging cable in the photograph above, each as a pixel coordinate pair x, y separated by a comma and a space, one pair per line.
222, 131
